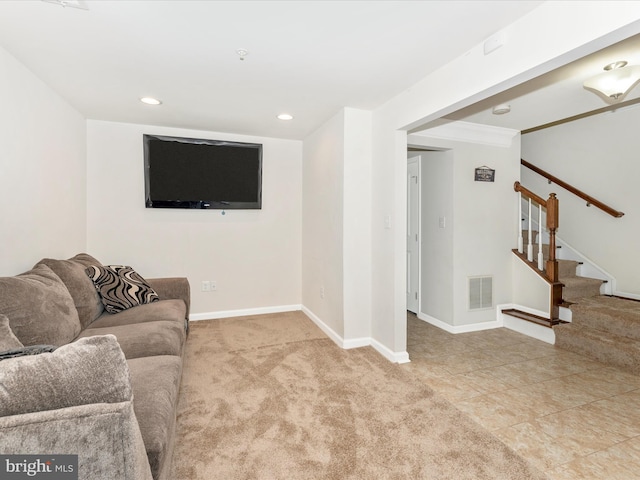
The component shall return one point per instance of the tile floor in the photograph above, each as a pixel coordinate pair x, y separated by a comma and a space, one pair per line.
574, 418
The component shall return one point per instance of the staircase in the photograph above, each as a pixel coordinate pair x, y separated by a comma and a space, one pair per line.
603, 328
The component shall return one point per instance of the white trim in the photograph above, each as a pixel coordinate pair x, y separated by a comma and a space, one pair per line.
530, 329
634, 296
328, 331
472, 133
243, 312
395, 357
472, 327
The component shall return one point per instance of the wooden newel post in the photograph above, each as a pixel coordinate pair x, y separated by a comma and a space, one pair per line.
552, 226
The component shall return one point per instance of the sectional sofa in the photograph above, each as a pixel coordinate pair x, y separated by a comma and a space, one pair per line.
90, 365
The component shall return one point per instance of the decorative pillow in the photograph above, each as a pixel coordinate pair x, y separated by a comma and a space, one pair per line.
8, 340
120, 287
84, 294
39, 307
24, 351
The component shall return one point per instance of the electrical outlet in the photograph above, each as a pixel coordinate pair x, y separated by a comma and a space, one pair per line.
206, 286
321, 292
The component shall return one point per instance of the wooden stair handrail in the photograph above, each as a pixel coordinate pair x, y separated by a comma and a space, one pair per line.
528, 193
588, 198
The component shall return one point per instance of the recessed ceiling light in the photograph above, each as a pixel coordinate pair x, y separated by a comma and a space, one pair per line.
150, 101
285, 116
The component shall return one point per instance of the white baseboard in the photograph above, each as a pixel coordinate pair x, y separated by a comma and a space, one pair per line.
634, 296
243, 312
538, 332
395, 357
472, 327
328, 331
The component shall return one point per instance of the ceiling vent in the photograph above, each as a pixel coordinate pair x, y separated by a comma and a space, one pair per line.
480, 292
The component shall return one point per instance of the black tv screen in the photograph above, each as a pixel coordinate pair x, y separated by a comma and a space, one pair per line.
196, 173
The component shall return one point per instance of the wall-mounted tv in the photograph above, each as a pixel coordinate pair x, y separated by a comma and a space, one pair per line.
201, 174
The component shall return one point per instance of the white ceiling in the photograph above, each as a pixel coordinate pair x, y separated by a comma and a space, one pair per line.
307, 58
556, 96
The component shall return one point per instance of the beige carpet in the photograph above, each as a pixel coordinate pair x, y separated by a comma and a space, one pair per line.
270, 397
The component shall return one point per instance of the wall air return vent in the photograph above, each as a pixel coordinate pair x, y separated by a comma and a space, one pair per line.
480, 292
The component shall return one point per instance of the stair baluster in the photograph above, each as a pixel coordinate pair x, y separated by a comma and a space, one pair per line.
529, 244
540, 255
520, 239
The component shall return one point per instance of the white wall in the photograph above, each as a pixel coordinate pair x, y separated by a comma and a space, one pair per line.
337, 226
253, 255
550, 36
322, 223
357, 224
529, 289
42, 171
480, 224
436, 296
598, 155
485, 224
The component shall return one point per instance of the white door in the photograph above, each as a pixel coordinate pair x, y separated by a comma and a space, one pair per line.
413, 233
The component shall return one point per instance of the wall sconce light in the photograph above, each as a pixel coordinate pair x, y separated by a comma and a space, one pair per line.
615, 82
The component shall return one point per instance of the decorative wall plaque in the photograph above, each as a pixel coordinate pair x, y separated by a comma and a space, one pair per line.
485, 174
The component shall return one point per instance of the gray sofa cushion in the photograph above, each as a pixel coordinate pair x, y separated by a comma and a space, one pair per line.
84, 294
145, 339
39, 307
167, 310
76, 400
172, 287
76, 374
120, 287
156, 382
8, 341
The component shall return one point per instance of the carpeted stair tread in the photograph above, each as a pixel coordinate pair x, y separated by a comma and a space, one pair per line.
579, 287
567, 268
610, 314
599, 345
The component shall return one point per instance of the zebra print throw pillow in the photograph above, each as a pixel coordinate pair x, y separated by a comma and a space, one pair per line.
120, 287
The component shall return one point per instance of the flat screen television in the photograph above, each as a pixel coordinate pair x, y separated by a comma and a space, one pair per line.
201, 174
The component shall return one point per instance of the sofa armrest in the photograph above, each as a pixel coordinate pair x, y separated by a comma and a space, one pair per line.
76, 400
172, 287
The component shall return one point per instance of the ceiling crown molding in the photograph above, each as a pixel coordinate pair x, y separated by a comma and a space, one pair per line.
472, 133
